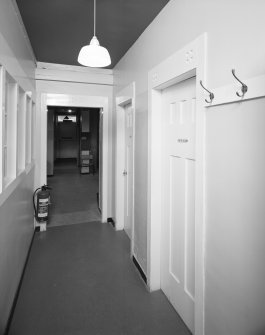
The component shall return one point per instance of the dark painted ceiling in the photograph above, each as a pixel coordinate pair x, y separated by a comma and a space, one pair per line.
58, 29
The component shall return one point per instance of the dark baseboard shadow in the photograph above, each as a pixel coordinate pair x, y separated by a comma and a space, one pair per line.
11, 314
98, 203
137, 265
141, 272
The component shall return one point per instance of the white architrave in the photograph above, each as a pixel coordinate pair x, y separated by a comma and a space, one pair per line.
49, 99
186, 63
124, 97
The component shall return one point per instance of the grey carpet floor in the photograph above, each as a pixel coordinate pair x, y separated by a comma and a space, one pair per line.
80, 280
73, 195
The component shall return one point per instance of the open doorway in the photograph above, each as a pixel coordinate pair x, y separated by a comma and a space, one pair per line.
73, 164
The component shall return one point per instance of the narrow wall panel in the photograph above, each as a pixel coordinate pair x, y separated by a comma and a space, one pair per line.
16, 230
235, 243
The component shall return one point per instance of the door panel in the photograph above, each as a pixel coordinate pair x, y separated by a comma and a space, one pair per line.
178, 204
189, 273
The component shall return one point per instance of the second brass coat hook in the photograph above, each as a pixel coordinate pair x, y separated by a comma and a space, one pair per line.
244, 87
211, 95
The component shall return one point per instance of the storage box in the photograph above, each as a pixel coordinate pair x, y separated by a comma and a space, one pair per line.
84, 169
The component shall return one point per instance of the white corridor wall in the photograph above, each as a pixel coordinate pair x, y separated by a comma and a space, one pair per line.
235, 40
16, 213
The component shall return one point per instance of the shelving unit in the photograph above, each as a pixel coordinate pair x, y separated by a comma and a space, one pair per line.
84, 161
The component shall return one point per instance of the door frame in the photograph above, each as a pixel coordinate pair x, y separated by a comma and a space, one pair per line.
123, 98
184, 64
62, 100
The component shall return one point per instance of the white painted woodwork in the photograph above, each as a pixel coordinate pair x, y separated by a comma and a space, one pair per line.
119, 168
182, 65
236, 214
71, 100
28, 129
128, 170
14, 102
16, 219
75, 68
170, 30
77, 94
100, 148
70, 91
2, 78
33, 130
227, 94
10, 129
178, 198
125, 99
21, 131
70, 73
231, 46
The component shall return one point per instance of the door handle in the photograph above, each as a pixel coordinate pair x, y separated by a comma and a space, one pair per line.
124, 173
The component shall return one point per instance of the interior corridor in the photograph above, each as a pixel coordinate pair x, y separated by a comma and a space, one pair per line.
73, 195
80, 280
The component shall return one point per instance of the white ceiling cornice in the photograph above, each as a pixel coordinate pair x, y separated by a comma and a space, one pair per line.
73, 74
73, 68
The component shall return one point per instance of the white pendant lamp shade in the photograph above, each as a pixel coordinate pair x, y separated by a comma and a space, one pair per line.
94, 55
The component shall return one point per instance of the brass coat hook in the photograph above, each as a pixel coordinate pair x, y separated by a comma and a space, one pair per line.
244, 87
211, 95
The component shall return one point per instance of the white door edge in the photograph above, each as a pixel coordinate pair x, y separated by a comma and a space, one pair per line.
50, 99
182, 65
124, 97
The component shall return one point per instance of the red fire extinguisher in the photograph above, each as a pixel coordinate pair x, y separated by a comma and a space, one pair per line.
41, 201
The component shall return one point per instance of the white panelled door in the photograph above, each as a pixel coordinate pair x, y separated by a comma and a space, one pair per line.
128, 170
178, 198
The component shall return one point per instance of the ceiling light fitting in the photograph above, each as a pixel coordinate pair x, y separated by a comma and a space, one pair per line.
94, 55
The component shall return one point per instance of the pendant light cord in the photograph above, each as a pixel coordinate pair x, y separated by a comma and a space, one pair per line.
94, 17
